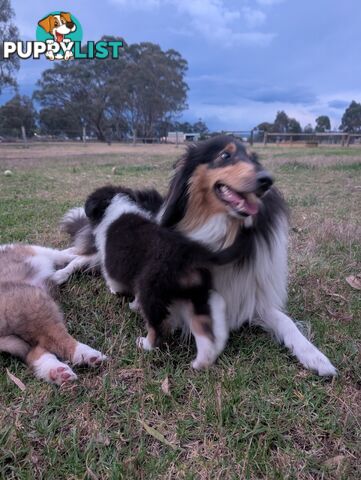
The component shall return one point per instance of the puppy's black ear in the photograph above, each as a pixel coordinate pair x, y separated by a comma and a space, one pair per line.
149, 199
98, 202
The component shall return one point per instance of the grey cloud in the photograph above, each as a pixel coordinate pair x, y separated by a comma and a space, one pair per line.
339, 104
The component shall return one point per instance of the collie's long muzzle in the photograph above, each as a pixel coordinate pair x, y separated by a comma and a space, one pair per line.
247, 202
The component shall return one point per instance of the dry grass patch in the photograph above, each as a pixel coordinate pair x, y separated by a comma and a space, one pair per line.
256, 414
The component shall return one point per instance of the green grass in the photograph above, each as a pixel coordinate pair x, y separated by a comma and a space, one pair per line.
256, 414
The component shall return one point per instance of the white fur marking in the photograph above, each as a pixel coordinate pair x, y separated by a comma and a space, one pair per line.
206, 352
120, 205
79, 262
85, 355
49, 368
135, 305
214, 232
219, 324
144, 344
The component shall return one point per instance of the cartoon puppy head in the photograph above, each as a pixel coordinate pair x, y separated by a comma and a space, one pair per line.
58, 25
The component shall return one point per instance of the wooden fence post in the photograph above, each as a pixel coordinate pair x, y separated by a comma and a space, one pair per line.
84, 135
23, 135
265, 138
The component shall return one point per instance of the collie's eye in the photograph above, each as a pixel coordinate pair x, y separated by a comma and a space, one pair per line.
225, 155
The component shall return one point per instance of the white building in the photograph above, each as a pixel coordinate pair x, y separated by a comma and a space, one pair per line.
181, 137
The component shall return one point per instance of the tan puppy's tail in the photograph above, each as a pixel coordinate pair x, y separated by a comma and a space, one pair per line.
15, 346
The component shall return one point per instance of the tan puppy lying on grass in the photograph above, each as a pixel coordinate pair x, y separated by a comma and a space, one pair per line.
31, 323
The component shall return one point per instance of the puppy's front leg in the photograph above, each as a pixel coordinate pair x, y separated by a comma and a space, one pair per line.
149, 342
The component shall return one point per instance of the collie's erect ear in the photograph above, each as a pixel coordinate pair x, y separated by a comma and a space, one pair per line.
98, 202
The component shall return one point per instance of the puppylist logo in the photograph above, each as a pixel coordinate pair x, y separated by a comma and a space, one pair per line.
58, 37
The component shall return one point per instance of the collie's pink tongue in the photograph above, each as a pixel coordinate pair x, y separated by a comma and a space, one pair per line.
250, 208
59, 37
242, 203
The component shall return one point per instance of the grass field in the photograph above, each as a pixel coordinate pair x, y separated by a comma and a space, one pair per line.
256, 414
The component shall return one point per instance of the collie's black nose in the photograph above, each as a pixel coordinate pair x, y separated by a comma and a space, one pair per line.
70, 25
264, 182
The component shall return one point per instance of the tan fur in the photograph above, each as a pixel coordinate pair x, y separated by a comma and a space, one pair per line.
230, 148
203, 201
30, 314
152, 336
31, 323
202, 325
192, 279
13, 263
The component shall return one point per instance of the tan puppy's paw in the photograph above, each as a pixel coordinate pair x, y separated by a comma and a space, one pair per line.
85, 355
49, 368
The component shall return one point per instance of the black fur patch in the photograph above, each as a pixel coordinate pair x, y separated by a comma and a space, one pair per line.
96, 204
151, 261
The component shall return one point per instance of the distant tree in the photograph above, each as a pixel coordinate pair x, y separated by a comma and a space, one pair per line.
281, 122
8, 32
323, 124
136, 93
184, 127
59, 121
308, 128
265, 127
16, 113
351, 119
293, 126
201, 128
84, 90
154, 87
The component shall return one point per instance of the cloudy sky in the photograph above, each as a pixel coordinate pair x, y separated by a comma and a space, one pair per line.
247, 58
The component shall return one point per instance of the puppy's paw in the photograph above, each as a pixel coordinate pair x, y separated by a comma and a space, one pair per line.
85, 355
134, 305
68, 255
60, 375
50, 369
60, 276
144, 344
199, 364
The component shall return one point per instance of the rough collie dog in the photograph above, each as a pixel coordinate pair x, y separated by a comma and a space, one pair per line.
159, 267
31, 323
220, 192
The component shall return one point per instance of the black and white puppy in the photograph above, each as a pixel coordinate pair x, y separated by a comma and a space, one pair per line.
159, 267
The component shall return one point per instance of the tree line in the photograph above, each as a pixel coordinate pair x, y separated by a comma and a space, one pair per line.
138, 95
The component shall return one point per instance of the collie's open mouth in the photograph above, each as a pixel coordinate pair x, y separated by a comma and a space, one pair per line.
241, 203
59, 37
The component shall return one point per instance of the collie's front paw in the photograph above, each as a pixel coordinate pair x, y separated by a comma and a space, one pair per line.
312, 359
